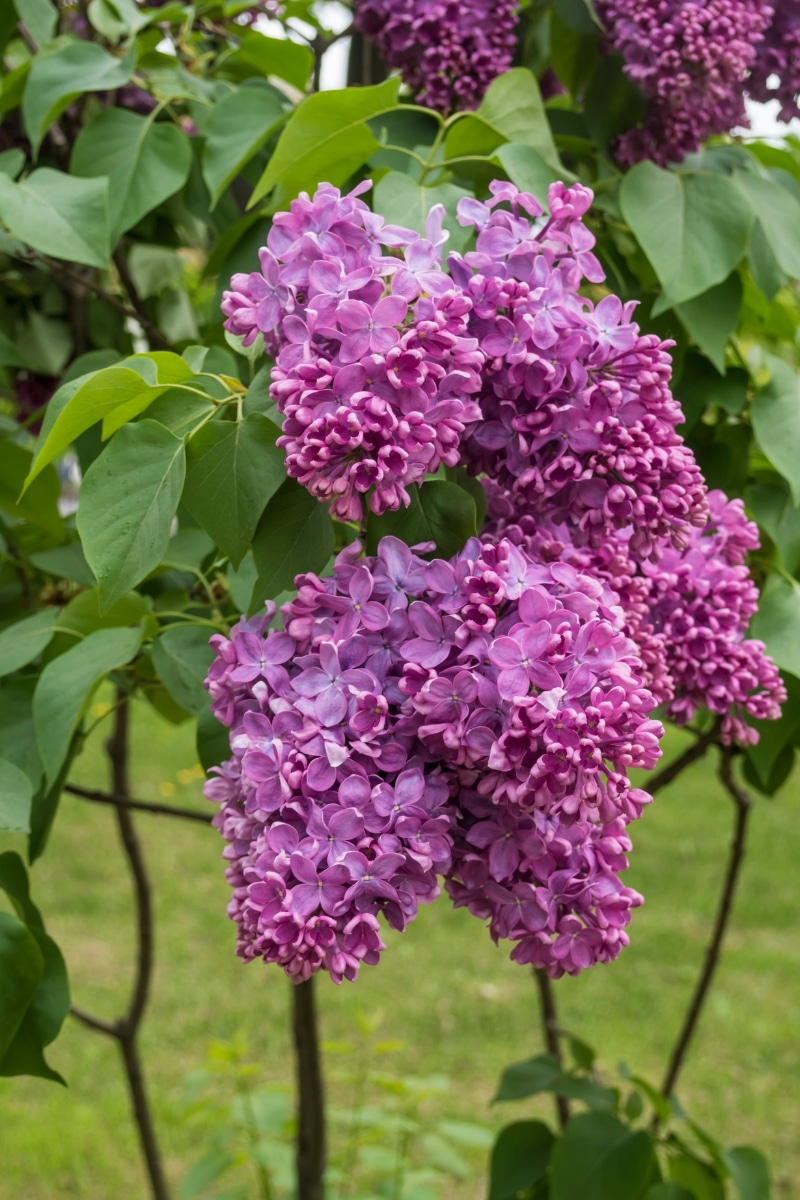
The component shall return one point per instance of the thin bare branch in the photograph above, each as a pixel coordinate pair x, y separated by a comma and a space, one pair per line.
743, 805
694, 753
158, 810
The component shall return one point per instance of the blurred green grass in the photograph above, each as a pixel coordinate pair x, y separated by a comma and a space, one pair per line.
459, 1006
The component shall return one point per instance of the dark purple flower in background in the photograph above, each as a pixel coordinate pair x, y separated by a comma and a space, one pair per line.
448, 51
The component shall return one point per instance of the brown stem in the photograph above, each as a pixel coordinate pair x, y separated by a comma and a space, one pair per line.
164, 810
547, 1006
743, 804
125, 1030
671, 772
310, 1095
142, 316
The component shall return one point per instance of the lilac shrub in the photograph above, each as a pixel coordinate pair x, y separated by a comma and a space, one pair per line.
448, 51
690, 59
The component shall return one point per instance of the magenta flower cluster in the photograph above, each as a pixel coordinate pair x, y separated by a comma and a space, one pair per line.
688, 613
448, 51
690, 58
579, 422
775, 74
387, 366
376, 389
473, 719
411, 718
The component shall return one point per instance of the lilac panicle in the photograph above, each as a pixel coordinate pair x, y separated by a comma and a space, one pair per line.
402, 700
448, 51
388, 366
775, 74
375, 371
688, 613
579, 422
690, 59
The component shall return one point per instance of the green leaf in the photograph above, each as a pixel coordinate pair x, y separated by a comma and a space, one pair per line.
693, 227
766, 272
46, 801
16, 794
43, 1019
700, 1179
21, 968
14, 882
777, 622
774, 736
325, 138
774, 511
40, 17
238, 126
59, 215
402, 201
66, 684
92, 399
82, 615
11, 355
511, 111
440, 512
749, 1171
63, 72
274, 56
527, 1078
700, 386
233, 469
213, 746
25, 640
710, 319
182, 656
528, 170
128, 499
598, 1157
39, 505
65, 562
778, 211
776, 421
17, 733
294, 535
594, 1095
519, 1159
154, 269
668, 1191
146, 162
204, 1173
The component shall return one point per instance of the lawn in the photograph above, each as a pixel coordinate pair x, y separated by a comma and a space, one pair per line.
459, 1007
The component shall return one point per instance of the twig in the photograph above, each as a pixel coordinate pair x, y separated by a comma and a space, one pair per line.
163, 810
547, 1004
125, 1030
142, 316
743, 804
109, 1027
310, 1095
671, 772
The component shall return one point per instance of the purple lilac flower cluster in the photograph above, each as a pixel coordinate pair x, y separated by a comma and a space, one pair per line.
411, 712
690, 58
688, 613
579, 422
775, 74
375, 388
448, 51
388, 367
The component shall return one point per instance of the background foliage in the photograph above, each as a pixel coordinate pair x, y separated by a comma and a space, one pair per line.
142, 151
